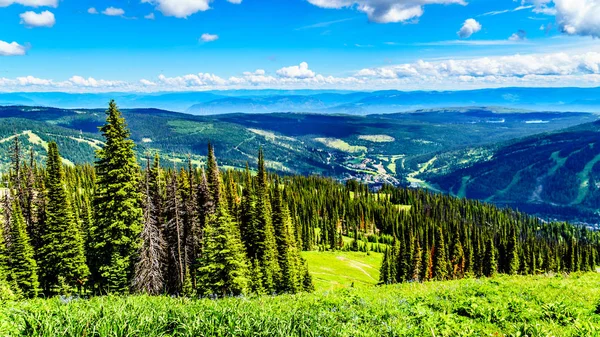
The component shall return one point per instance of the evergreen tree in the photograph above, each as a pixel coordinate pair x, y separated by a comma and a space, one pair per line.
267, 246
440, 269
288, 255
118, 214
223, 269
513, 253
490, 262
62, 258
22, 265
458, 258
417, 262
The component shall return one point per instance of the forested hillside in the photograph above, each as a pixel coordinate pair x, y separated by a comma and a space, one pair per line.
553, 174
196, 230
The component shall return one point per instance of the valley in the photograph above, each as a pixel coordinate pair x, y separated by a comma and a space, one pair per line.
435, 149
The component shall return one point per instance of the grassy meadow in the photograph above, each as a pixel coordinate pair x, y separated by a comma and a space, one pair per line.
503, 306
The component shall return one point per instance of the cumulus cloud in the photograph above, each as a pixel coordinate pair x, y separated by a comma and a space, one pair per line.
112, 11
557, 69
11, 49
182, 8
33, 19
179, 8
150, 16
192, 80
470, 27
92, 10
92, 82
30, 3
300, 71
209, 37
386, 11
495, 69
147, 83
573, 17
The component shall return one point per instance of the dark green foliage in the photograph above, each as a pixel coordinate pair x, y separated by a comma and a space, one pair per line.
440, 268
223, 267
62, 261
23, 269
117, 208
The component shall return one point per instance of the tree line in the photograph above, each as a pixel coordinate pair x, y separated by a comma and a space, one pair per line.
132, 225
116, 228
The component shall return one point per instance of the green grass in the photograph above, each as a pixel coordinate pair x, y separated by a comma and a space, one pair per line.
334, 270
502, 306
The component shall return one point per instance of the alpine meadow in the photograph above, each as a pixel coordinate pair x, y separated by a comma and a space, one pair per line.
326, 168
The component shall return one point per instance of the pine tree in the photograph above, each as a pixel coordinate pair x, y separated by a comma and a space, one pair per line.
417, 262
249, 226
490, 262
267, 246
149, 276
223, 269
117, 208
22, 265
440, 269
513, 253
384, 271
288, 255
62, 258
213, 178
458, 258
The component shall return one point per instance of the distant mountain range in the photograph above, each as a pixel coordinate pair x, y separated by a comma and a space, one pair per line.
323, 101
547, 163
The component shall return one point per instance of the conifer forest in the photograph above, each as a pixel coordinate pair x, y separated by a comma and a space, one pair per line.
129, 225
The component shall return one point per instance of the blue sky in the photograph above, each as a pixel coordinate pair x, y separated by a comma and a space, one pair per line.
73, 45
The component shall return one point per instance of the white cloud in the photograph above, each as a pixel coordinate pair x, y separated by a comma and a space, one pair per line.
33, 19
92, 82
11, 49
574, 68
504, 69
92, 10
30, 3
385, 11
150, 16
237, 2
470, 27
147, 83
192, 80
300, 71
180, 8
209, 37
578, 17
112, 11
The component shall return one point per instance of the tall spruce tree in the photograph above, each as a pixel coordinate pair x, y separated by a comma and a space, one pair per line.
118, 213
62, 258
223, 268
440, 267
490, 261
288, 255
23, 269
267, 246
